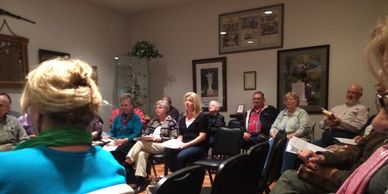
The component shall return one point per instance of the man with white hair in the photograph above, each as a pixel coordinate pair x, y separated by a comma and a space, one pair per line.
346, 120
11, 131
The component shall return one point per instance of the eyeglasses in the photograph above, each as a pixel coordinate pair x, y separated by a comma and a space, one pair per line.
383, 100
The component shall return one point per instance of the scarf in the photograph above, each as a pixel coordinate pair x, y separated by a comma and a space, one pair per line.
358, 181
58, 137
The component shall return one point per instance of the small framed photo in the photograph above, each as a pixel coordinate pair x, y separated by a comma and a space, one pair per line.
45, 55
250, 80
240, 108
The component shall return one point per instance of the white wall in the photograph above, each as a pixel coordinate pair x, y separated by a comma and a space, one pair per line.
86, 31
191, 32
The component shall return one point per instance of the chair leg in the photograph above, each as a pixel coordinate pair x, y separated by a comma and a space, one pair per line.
210, 176
153, 168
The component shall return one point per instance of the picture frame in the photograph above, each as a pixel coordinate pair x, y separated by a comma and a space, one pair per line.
213, 71
240, 108
304, 71
252, 29
250, 80
13, 61
47, 54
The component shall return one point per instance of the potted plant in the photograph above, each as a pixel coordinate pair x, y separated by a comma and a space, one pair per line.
144, 49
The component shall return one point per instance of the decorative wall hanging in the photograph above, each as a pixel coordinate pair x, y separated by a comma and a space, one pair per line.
304, 71
209, 81
253, 29
47, 54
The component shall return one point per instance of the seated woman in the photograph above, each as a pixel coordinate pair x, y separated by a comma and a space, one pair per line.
62, 100
125, 127
193, 130
136, 109
294, 121
159, 129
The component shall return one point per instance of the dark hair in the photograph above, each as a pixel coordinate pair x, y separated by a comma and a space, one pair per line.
6, 95
259, 92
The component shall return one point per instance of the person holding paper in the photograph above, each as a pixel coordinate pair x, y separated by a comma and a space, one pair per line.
295, 122
361, 170
346, 120
193, 132
159, 129
125, 127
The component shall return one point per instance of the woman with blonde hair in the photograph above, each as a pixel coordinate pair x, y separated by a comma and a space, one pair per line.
193, 130
62, 99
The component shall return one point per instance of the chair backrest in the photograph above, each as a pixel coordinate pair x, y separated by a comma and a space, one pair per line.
234, 123
253, 168
187, 180
275, 158
227, 141
228, 175
312, 132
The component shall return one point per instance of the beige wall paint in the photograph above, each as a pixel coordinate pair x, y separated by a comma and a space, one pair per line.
86, 31
191, 32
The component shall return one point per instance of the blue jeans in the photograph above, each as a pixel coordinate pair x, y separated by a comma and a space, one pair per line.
178, 159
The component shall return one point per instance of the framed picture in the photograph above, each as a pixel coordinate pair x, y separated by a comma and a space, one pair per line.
250, 80
240, 108
253, 29
46, 55
13, 61
209, 81
304, 71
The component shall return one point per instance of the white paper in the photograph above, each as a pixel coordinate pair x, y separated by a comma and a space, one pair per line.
110, 147
346, 141
173, 144
296, 144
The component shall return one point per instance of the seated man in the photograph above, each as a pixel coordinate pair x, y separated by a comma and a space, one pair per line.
258, 120
215, 119
11, 131
347, 119
333, 167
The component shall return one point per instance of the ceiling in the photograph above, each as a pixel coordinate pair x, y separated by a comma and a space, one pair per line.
137, 6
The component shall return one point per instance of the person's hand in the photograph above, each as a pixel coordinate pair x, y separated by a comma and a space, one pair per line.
305, 154
156, 138
321, 171
185, 145
289, 136
118, 142
332, 122
358, 138
246, 136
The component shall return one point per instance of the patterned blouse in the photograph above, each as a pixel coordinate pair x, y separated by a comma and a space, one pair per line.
169, 128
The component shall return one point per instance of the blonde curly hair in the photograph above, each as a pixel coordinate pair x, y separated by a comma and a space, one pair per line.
64, 90
375, 49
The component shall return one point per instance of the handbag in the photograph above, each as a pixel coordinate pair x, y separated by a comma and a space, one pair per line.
307, 175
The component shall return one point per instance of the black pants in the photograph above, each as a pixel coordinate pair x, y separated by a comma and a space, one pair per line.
121, 151
328, 137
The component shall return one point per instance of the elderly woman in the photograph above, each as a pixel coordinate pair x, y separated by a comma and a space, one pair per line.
367, 164
295, 122
193, 130
125, 127
159, 129
62, 99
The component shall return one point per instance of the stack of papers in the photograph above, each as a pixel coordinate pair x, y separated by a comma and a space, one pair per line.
296, 145
173, 144
346, 141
